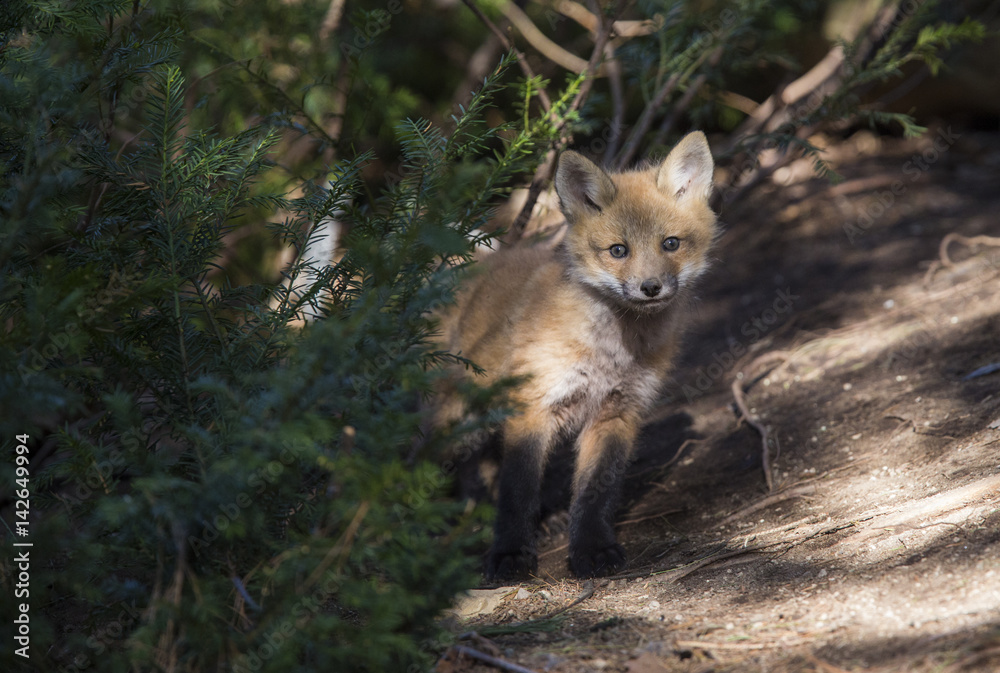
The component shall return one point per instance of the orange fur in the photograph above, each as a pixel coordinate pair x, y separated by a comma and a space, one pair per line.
592, 328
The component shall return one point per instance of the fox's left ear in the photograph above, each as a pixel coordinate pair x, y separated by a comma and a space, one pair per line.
686, 173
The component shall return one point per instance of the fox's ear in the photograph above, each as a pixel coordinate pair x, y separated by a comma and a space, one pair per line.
687, 171
582, 185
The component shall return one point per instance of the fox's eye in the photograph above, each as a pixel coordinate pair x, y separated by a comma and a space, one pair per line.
618, 250
671, 244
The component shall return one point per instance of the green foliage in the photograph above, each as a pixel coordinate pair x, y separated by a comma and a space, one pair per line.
237, 487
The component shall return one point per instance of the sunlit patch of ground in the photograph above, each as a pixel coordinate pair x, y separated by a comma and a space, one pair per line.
878, 548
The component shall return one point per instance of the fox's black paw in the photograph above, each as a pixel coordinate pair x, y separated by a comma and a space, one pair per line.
590, 562
511, 565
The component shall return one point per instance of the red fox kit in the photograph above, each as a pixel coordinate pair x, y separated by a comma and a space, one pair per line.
591, 328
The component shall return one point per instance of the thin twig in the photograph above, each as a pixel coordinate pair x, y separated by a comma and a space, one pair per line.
673, 459
545, 172
829, 530
342, 545
781, 357
496, 662
674, 574
781, 496
588, 591
238, 583
653, 107
542, 176
613, 69
682, 105
765, 457
970, 242
600, 41
737, 101
823, 78
480, 63
655, 515
645, 119
554, 550
509, 46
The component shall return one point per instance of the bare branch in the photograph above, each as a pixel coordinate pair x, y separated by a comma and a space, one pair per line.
540, 41
502, 664
545, 172
682, 105
614, 71
521, 60
653, 107
587, 19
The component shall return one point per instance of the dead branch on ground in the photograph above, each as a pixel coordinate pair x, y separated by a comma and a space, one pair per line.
662, 576
765, 454
780, 496
496, 662
741, 404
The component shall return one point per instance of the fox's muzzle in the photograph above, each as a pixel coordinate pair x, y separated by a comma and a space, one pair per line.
652, 292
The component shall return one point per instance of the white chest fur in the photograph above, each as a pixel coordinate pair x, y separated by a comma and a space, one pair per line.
605, 375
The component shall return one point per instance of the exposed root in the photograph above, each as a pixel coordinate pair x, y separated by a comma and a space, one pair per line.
647, 517
674, 574
770, 358
944, 260
781, 496
765, 456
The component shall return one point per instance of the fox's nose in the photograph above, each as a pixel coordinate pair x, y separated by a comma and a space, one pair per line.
651, 287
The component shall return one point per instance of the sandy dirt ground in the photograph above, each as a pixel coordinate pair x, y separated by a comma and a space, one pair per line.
876, 548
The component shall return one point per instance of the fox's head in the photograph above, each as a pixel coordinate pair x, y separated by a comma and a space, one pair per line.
640, 237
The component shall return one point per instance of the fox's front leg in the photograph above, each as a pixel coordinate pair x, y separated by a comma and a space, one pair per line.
526, 446
604, 448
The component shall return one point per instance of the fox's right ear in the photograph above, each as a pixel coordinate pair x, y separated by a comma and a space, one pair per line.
583, 186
